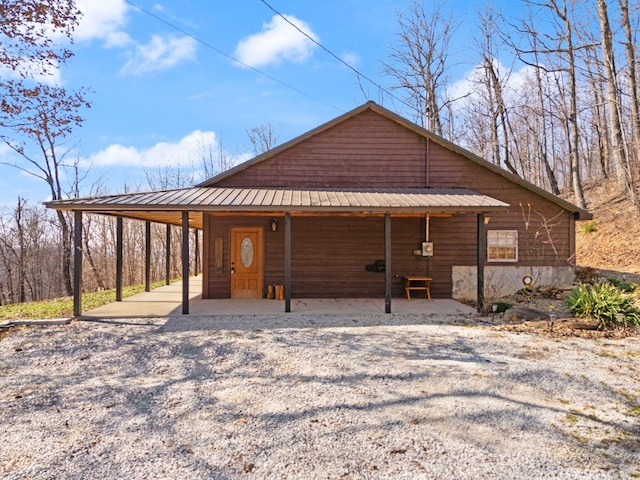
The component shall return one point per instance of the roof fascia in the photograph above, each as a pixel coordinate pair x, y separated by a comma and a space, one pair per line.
114, 209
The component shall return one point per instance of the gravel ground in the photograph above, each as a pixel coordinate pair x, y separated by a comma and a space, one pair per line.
316, 397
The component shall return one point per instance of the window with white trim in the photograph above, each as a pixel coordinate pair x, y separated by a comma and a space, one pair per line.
502, 245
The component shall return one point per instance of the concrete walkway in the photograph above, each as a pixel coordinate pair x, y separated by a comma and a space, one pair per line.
166, 301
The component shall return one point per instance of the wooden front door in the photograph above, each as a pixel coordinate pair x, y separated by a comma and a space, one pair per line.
246, 262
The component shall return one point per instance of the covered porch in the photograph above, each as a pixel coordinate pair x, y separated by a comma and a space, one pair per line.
166, 301
189, 208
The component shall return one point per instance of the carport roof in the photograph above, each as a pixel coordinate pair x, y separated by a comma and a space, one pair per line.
165, 206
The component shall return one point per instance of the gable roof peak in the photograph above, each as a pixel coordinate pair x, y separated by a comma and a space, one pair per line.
370, 105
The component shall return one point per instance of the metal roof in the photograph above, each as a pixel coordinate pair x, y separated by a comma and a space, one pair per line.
582, 214
231, 199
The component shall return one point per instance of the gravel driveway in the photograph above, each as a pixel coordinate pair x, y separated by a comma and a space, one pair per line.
315, 397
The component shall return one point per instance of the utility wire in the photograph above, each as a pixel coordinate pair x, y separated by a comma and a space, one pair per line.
357, 72
224, 54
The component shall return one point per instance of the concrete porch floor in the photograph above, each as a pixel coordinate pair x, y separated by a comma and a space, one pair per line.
166, 301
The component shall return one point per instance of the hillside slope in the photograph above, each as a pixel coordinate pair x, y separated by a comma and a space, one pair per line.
615, 243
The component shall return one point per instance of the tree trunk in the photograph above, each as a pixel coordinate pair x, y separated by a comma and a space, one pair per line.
633, 161
631, 71
617, 142
574, 158
623, 167
542, 135
92, 263
65, 240
21, 254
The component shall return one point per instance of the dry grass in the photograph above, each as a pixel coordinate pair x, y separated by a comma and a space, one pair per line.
615, 243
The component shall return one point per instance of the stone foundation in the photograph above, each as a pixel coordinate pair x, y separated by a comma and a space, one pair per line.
501, 281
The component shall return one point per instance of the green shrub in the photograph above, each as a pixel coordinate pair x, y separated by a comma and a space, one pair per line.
604, 302
502, 307
590, 226
622, 285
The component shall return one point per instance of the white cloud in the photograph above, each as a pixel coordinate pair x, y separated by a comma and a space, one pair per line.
103, 20
160, 53
351, 59
512, 80
278, 41
182, 153
51, 76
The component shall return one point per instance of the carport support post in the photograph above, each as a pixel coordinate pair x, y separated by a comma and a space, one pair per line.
196, 253
118, 259
387, 263
77, 264
147, 256
185, 263
481, 259
287, 262
167, 260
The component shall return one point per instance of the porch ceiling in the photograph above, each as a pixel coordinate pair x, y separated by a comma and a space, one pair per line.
166, 206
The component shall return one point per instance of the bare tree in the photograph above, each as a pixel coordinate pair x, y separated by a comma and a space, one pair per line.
418, 63
262, 138
596, 79
212, 158
28, 269
562, 46
492, 84
43, 116
633, 167
630, 52
14, 254
35, 118
541, 129
613, 102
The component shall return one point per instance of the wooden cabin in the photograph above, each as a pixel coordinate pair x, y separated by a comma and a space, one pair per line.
357, 205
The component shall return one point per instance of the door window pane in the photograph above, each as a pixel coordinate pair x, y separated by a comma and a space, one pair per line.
246, 252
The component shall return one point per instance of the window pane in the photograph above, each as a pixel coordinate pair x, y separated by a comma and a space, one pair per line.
502, 245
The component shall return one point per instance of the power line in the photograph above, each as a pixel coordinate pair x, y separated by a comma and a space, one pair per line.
224, 54
357, 72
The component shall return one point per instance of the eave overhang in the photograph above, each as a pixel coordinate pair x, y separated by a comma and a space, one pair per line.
165, 206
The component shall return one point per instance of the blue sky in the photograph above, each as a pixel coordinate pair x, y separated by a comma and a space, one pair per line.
157, 92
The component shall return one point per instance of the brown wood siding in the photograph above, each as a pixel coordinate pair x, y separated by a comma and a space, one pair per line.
372, 151
329, 254
544, 228
363, 152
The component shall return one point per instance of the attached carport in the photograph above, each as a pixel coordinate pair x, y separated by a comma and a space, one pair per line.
185, 207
